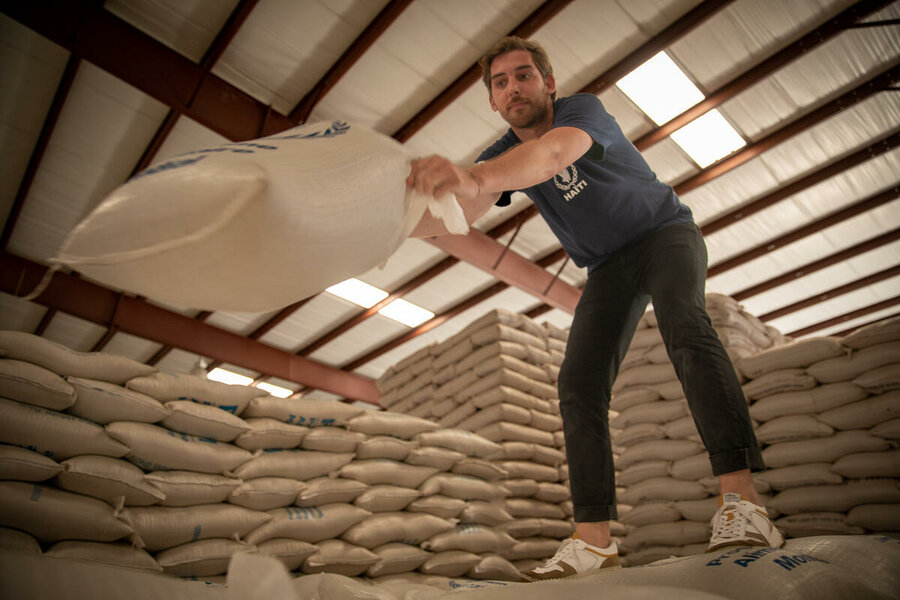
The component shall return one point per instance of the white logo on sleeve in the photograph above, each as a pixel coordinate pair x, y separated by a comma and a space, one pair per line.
569, 182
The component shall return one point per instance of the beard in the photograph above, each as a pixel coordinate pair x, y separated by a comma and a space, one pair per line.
525, 119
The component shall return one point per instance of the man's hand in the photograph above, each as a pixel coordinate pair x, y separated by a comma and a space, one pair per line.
437, 177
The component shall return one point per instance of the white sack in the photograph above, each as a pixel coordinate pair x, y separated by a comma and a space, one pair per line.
65, 361
52, 433
254, 226
113, 480
268, 433
155, 448
161, 527
51, 515
103, 403
26, 382
21, 464
116, 554
167, 387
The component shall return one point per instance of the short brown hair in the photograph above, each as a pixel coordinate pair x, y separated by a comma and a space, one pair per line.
508, 44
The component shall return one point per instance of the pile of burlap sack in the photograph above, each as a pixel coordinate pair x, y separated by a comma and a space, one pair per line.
829, 414
463, 474
496, 378
824, 413
104, 459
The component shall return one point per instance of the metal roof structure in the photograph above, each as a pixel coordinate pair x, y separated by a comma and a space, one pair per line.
802, 223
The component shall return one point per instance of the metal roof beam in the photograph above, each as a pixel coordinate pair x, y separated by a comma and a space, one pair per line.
867, 310
127, 314
817, 265
832, 293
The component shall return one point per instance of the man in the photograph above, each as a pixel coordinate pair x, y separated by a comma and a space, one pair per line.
638, 242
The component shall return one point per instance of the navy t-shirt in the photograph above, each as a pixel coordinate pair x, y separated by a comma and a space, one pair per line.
608, 198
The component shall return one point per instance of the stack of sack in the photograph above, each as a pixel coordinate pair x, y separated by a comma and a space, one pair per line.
120, 464
829, 410
666, 489
496, 378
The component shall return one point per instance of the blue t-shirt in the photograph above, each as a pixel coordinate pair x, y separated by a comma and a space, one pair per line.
608, 198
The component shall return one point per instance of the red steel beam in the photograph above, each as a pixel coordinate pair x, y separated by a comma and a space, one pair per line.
833, 293
889, 303
846, 163
482, 251
817, 265
781, 241
97, 304
852, 329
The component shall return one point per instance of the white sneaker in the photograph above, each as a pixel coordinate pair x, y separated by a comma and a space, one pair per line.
739, 522
573, 557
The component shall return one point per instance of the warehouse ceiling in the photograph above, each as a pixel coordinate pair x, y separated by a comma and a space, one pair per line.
801, 222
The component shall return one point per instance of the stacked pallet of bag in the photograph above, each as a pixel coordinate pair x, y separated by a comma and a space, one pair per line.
829, 410
52, 498
497, 379
143, 453
177, 473
666, 489
435, 501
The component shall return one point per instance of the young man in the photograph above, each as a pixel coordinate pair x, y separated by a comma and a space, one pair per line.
638, 243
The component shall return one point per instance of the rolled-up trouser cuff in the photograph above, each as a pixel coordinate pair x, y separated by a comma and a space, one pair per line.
737, 460
594, 514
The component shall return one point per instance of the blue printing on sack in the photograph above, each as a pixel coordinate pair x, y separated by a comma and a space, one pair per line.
309, 513
337, 128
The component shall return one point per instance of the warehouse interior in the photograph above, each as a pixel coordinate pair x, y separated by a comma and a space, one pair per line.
799, 209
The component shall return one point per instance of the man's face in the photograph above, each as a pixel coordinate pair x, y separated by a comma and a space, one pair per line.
518, 91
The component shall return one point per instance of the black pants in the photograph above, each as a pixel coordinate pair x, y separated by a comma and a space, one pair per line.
669, 268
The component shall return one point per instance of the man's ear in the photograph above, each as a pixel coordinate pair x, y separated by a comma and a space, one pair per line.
491, 100
550, 82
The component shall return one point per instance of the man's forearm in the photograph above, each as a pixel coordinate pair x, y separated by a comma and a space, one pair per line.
532, 162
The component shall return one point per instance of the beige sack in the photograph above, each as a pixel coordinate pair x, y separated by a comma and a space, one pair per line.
313, 524
155, 448
161, 527
21, 464
110, 479
383, 528
65, 361
54, 434
186, 488
203, 421
51, 515
31, 384
103, 403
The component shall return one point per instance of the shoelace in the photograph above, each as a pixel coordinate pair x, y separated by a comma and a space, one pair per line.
730, 523
564, 550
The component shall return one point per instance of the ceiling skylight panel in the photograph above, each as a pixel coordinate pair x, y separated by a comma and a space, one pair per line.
708, 138
406, 312
225, 376
358, 292
663, 91
660, 89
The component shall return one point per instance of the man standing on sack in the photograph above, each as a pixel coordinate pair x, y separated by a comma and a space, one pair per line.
638, 243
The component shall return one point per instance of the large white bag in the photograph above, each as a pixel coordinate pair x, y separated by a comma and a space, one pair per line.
254, 226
